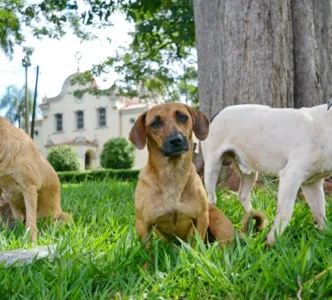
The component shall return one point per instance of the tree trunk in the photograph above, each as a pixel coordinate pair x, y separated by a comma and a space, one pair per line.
244, 53
276, 52
312, 29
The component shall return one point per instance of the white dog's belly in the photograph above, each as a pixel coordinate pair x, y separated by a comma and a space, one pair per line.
317, 176
268, 163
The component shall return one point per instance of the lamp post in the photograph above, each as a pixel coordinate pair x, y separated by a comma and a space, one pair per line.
26, 63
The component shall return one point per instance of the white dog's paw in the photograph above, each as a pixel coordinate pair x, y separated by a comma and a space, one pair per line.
212, 202
321, 224
270, 238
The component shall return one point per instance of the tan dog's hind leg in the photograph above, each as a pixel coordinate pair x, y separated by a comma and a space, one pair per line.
220, 226
64, 217
290, 181
314, 194
247, 181
30, 201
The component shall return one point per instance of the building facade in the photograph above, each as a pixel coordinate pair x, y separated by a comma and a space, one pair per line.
87, 122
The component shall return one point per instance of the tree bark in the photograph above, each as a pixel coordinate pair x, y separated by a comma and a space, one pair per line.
277, 53
312, 29
244, 51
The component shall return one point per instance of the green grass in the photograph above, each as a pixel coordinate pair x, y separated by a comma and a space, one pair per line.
100, 256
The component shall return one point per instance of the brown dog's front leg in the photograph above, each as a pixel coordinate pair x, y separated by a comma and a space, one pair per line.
143, 231
202, 224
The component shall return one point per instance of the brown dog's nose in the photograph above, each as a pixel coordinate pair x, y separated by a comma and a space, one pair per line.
175, 144
176, 140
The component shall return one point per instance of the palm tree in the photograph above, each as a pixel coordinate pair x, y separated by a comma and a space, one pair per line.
13, 102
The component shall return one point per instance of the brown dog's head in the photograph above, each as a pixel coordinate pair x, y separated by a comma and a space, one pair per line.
169, 127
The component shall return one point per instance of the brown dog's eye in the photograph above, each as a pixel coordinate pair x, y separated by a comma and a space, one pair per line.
156, 124
182, 118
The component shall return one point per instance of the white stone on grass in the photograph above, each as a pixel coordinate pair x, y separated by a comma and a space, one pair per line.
20, 257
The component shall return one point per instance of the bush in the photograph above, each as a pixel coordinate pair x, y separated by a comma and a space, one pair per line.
98, 175
117, 153
63, 158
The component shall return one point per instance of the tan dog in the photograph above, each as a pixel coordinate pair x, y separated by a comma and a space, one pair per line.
170, 196
27, 180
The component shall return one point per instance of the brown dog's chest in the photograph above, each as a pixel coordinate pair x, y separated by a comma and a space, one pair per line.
177, 220
175, 223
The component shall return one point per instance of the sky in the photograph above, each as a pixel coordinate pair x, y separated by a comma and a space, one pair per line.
56, 58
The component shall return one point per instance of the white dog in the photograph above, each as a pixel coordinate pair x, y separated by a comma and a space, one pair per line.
293, 144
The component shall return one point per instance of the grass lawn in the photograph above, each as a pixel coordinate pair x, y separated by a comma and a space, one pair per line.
100, 256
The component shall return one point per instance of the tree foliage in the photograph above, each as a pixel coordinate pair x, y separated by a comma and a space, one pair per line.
161, 56
162, 46
10, 33
63, 158
117, 153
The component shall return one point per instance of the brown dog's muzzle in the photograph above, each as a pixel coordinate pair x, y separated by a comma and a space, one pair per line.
175, 144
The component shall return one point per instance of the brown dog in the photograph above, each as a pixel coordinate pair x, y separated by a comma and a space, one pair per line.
169, 193
27, 180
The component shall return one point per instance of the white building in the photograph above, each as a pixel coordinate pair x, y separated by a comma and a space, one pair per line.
86, 123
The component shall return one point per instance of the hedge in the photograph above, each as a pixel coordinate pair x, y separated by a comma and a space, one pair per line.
97, 175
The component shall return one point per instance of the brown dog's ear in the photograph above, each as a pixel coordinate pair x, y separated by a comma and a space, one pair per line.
201, 123
137, 134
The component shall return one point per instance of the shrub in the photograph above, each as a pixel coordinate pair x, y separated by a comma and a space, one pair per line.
117, 153
98, 175
63, 158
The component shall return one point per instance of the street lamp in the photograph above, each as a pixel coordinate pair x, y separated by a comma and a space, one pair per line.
26, 63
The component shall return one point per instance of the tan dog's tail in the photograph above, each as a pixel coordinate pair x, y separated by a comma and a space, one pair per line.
258, 216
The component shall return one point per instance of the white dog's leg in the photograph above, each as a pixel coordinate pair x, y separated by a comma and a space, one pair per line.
290, 181
314, 194
211, 173
247, 181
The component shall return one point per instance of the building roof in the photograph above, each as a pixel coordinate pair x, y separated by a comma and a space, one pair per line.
133, 106
79, 140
